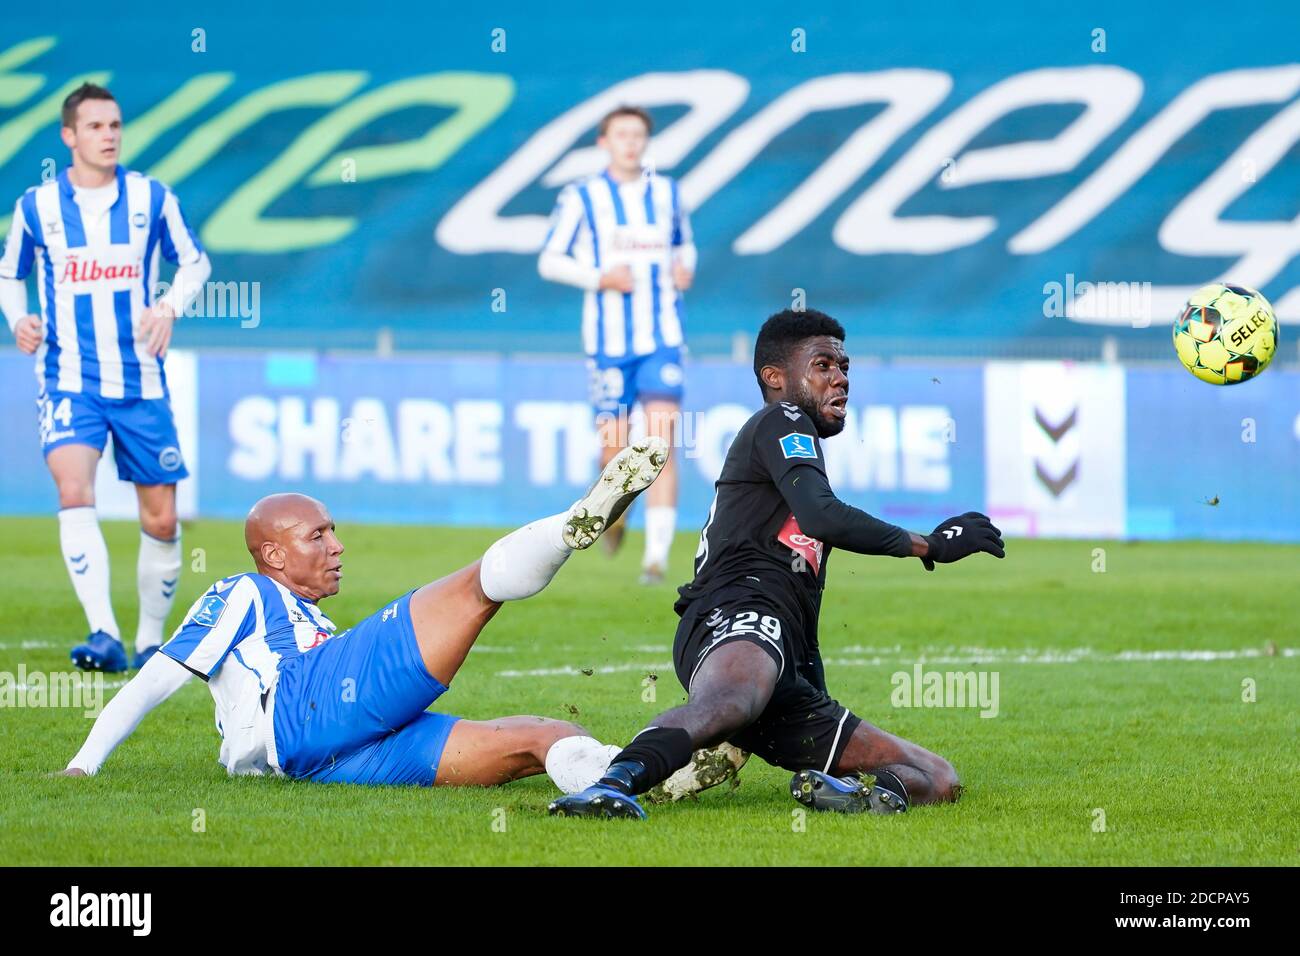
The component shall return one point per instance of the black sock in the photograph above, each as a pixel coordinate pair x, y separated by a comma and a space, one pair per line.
651, 758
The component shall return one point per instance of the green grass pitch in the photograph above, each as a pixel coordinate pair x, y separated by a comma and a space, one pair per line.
1105, 717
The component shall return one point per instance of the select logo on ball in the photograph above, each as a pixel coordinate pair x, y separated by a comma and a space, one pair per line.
1226, 334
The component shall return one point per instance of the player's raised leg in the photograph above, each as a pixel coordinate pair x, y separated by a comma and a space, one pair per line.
86, 555
401, 659
447, 615
158, 566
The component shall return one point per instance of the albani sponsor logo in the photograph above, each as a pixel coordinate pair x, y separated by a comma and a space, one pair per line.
625, 242
90, 270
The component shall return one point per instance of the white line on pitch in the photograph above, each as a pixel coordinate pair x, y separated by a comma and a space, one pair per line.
971, 656
574, 671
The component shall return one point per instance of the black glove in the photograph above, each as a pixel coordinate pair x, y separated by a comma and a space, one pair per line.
961, 537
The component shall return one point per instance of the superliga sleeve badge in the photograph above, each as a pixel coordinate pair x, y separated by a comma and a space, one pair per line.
795, 445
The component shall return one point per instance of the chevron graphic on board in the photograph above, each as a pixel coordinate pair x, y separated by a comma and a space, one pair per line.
1056, 432
1056, 485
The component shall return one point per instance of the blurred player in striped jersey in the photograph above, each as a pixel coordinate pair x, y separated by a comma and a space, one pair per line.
94, 236
624, 236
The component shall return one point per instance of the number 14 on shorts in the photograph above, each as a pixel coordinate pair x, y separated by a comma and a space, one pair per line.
52, 415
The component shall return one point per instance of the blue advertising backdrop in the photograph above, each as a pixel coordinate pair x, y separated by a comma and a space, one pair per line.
939, 177
499, 441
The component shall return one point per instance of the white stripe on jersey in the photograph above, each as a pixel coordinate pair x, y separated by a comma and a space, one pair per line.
111, 378
643, 306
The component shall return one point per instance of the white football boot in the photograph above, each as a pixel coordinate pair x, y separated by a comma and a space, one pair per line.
628, 473
707, 768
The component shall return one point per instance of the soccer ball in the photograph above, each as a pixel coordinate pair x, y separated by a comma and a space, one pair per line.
1226, 334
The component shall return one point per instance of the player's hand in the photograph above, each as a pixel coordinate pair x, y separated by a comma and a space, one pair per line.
156, 325
682, 277
619, 279
961, 537
29, 333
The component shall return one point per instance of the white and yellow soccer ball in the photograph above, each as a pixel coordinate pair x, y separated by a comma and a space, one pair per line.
1226, 334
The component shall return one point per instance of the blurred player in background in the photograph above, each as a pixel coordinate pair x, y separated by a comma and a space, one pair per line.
624, 236
94, 236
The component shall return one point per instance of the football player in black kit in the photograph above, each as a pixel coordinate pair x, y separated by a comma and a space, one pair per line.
746, 648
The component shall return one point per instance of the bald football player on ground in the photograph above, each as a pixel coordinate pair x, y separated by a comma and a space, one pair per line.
294, 698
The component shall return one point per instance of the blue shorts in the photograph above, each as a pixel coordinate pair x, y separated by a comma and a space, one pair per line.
144, 432
353, 709
618, 384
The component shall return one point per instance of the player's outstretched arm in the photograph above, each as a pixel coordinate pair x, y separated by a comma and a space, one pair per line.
824, 516
158, 679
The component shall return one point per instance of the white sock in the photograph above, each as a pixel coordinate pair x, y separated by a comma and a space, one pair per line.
157, 574
575, 763
659, 524
86, 556
525, 560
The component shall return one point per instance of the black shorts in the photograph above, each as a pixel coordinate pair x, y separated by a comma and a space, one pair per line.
802, 728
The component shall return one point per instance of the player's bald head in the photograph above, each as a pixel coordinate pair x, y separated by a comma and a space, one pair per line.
277, 515
291, 538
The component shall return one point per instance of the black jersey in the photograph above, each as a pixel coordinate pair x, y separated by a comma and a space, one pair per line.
751, 536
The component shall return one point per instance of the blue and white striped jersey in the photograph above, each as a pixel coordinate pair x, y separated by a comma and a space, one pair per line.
598, 224
235, 637
96, 272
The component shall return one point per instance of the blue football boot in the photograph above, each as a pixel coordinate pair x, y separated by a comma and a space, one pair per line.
820, 791
597, 801
101, 652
